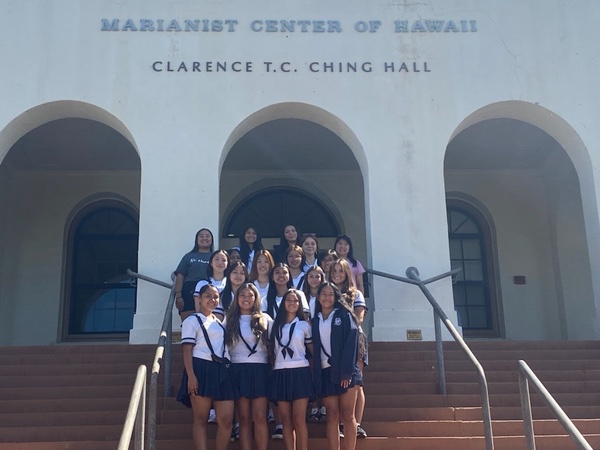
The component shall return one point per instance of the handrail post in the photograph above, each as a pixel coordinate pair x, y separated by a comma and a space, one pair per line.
135, 419
413, 273
526, 411
163, 348
439, 345
164, 340
563, 419
168, 359
140, 418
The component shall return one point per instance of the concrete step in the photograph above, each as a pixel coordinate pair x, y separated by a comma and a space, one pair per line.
64, 405
415, 428
75, 410
110, 348
53, 419
560, 442
58, 369
88, 393
485, 355
62, 433
15, 381
488, 344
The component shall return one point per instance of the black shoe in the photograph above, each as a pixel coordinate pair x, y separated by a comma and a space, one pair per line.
235, 432
341, 430
360, 433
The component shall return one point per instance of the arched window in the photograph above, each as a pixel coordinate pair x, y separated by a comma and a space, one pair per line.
101, 298
270, 210
473, 288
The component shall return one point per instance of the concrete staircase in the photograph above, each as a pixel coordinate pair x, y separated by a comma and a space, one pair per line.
75, 397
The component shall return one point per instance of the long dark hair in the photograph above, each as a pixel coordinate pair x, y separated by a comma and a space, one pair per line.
212, 240
305, 285
245, 248
283, 243
209, 269
253, 276
228, 289
272, 292
339, 300
350, 255
258, 323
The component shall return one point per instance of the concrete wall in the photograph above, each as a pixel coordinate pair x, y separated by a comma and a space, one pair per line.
35, 212
397, 125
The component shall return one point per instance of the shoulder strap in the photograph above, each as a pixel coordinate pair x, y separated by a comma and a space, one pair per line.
207, 339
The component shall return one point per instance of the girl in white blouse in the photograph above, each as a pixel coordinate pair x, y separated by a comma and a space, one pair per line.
291, 381
247, 329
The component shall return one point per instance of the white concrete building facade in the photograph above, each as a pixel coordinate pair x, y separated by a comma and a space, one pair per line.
437, 134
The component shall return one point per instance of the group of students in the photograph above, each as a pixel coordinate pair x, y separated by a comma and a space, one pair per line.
255, 330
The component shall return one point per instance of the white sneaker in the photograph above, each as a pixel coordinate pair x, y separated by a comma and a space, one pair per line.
270, 416
235, 432
278, 433
322, 414
212, 416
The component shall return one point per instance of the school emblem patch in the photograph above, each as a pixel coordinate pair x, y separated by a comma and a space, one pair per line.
337, 321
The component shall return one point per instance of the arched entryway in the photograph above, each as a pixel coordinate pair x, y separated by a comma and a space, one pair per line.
61, 158
513, 164
307, 155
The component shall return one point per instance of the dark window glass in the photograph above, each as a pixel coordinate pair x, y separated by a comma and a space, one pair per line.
471, 287
102, 298
270, 210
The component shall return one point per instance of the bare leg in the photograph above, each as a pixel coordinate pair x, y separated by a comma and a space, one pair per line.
347, 406
200, 408
244, 410
360, 399
299, 412
360, 404
261, 430
333, 420
224, 411
287, 417
277, 414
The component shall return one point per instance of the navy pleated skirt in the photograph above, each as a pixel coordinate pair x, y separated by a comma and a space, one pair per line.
214, 381
251, 379
287, 385
328, 388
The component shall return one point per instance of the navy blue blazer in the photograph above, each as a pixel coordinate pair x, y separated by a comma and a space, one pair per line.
344, 347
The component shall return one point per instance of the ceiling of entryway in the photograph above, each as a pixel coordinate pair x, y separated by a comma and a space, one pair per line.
501, 144
73, 144
285, 144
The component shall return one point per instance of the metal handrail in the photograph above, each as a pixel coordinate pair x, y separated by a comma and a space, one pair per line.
440, 316
134, 421
526, 375
163, 348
